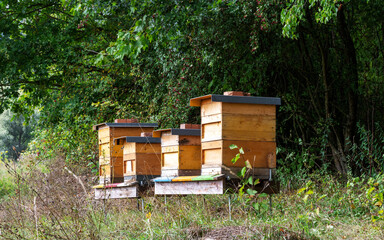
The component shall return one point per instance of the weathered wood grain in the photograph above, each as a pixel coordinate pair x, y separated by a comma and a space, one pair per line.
187, 188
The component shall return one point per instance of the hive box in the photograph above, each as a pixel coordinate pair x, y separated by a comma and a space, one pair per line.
248, 122
180, 151
111, 154
141, 157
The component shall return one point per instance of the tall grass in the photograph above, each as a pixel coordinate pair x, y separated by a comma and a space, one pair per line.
50, 203
7, 185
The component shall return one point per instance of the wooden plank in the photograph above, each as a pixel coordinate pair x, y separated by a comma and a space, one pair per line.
169, 172
248, 127
212, 144
104, 140
190, 157
130, 156
105, 170
148, 164
248, 109
211, 118
117, 171
183, 179
117, 161
170, 149
104, 133
189, 140
211, 170
104, 160
258, 153
116, 193
170, 160
170, 140
129, 147
105, 150
148, 148
210, 108
212, 156
117, 151
186, 188
211, 132
128, 131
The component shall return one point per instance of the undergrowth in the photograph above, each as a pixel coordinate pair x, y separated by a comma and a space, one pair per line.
49, 202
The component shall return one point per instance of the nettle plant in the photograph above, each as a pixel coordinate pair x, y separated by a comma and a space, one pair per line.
247, 181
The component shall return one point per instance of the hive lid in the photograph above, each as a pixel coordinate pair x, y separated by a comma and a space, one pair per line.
196, 102
178, 131
140, 139
140, 125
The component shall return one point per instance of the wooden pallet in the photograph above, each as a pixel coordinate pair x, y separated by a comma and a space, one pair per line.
187, 185
116, 191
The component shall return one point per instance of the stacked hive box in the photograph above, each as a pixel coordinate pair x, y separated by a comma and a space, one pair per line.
141, 156
111, 154
248, 122
180, 150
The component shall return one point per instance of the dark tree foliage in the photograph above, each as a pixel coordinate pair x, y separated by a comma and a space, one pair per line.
85, 62
15, 135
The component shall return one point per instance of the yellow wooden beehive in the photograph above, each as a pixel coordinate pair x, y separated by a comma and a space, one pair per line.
180, 150
141, 156
111, 154
245, 121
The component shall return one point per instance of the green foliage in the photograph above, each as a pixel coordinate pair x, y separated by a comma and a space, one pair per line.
7, 185
82, 63
15, 134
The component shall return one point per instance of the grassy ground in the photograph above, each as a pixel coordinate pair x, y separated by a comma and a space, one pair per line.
51, 204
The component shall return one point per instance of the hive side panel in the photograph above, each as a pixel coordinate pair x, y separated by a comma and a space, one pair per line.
148, 164
128, 131
169, 140
189, 140
117, 151
259, 154
248, 109
129, 147
212, 153
170, 160
148, 148
104, 135
210, 108
211, 132
248, 127
105, 170
190, 157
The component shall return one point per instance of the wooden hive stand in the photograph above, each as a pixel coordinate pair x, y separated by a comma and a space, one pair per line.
237, 118
181, 164
111, 154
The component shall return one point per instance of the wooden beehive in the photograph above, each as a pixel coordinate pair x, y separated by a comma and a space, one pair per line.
248, 122
141, 157
180, 151
111, 154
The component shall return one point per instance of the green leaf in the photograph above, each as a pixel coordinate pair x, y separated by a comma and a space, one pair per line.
234, 160
243, 171
301, 190
257, 181
248, 164
250, 180
232, 146
251, 192
241, 150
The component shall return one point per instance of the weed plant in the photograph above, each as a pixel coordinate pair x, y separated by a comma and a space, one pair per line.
49, 202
